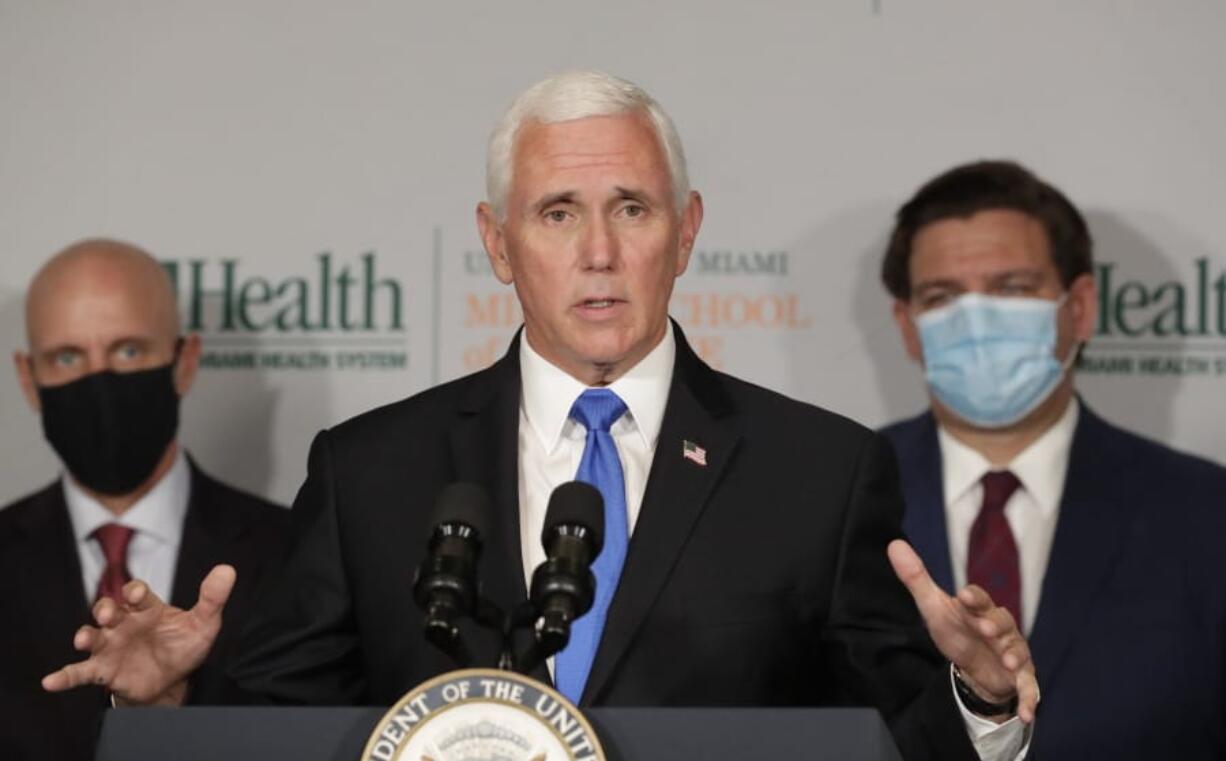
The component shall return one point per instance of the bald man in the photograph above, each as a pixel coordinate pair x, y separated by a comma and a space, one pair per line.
106, 368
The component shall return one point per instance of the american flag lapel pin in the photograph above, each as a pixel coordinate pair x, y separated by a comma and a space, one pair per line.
693, 452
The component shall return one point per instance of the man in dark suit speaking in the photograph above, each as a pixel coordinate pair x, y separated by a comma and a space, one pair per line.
745, 558
1082, 529
106, 369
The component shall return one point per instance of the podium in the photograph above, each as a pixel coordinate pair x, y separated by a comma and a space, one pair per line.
628, 734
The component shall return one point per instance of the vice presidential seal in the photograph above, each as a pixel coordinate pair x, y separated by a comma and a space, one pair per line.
483, 715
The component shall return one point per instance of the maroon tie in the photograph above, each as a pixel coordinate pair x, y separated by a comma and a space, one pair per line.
114, 541
991, 558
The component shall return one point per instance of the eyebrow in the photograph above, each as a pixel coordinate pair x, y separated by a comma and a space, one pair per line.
143, 341
928, 285
996, 278
569, 196
634, 194
1007, 274
51, 351
564, 196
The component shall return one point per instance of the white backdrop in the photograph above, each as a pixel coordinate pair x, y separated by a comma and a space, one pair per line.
251, 145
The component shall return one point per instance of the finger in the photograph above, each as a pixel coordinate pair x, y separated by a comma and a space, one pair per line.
1027, 694
996, 623
976, 599
911, 572
1016, 655
85, 638
1013, 657
139, 596
105, 610
214, 591
74, 675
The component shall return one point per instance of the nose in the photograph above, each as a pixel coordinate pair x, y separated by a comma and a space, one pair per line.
599, 246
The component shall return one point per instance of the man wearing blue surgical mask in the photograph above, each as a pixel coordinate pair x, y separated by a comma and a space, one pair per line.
1102, 544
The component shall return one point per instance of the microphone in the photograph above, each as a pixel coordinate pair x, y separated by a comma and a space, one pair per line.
446, 585
563, 586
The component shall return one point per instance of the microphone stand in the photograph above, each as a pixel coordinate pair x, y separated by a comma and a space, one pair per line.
522, 617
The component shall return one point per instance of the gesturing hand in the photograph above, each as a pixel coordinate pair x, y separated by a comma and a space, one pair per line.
978, 636
144, 650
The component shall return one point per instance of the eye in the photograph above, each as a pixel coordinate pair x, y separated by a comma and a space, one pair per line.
65, 358
556, 216
634, 210
128, 351
1016, 288
935, 299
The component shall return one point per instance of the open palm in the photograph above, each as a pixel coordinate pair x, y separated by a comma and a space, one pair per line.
978, 636
144, 650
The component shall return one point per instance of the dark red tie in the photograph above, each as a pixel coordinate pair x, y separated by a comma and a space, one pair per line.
114, 541
991, 558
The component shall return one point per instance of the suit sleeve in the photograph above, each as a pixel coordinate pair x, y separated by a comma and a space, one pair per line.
874, 640
301, 646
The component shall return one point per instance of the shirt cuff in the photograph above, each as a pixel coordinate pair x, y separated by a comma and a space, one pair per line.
994, 742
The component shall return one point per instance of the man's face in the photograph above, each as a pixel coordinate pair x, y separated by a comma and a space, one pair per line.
997, 252
94, 315
592, 240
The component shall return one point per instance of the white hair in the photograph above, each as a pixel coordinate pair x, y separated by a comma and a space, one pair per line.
578, 95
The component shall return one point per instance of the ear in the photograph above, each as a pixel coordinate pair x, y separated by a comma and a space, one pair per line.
691, 221
1083, 306
494, 241
908, 331
188, 364
25, 376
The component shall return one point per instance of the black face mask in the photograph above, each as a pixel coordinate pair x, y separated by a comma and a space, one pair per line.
110, 429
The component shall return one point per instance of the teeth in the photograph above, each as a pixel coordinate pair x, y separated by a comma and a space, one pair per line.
600, 304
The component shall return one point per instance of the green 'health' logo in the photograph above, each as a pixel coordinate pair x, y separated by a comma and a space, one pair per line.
341, 315
1171, 328
1133, 309
341, 297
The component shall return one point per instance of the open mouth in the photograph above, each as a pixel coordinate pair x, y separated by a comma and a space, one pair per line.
600, 309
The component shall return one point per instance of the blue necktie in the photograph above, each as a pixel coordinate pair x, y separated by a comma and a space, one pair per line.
597, 409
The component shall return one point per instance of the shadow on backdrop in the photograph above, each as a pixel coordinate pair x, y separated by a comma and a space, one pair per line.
228, 416
851, 360
1144, 404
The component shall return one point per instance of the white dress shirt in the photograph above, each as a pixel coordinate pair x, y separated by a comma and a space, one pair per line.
156, 518
1031, 511
551, 446
551, 443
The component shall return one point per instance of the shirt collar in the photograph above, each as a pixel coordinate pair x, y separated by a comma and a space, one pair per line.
158, 514
1040, 467
549, 392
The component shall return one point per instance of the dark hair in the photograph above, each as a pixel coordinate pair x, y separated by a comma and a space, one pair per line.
970, 188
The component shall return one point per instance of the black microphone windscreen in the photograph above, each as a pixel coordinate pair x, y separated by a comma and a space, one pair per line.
576, 503
463, 503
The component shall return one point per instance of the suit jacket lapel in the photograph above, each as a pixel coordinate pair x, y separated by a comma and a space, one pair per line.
57, 604
51, 558
208, 529
1086, 545
677, 491
919, 462
484, 449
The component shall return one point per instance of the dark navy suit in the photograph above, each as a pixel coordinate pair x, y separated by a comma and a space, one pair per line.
1130, 635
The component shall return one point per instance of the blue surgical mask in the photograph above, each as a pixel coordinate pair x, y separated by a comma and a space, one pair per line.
991, 359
